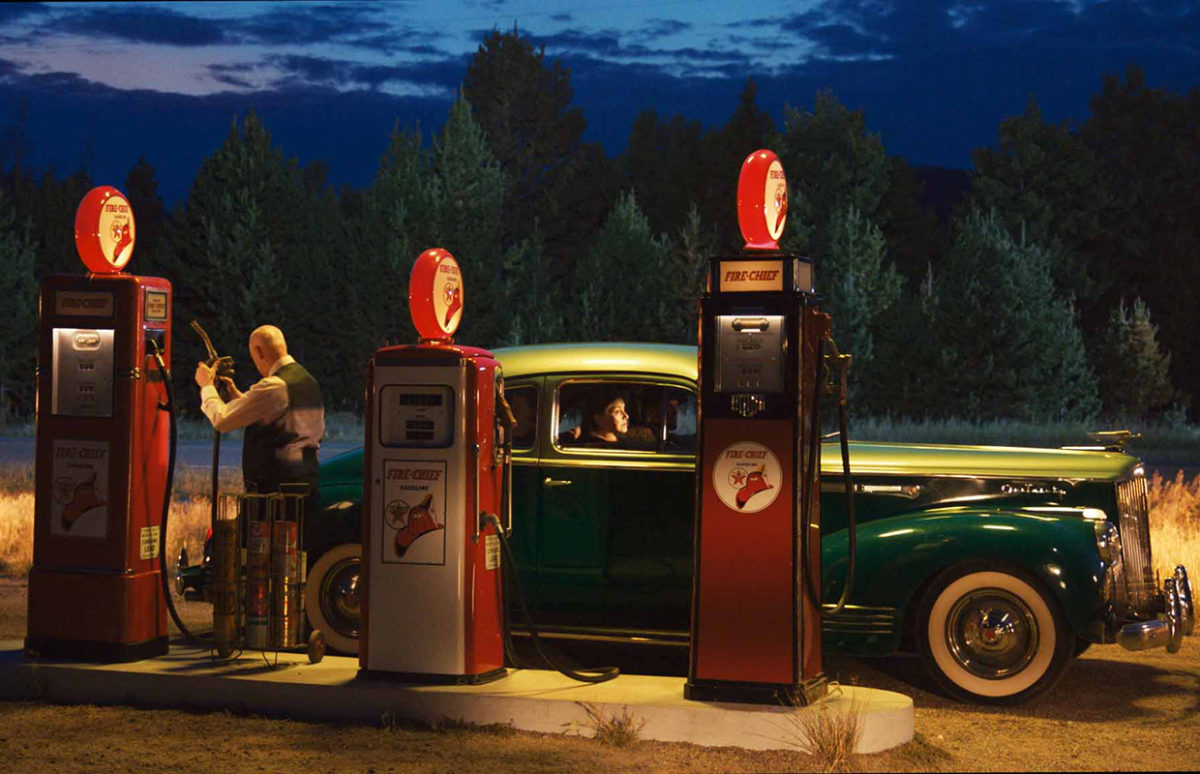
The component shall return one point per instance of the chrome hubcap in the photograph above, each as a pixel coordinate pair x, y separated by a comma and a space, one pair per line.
992, 633
340, 597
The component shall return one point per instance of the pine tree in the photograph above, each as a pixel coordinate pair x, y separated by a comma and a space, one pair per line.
1010, 348
523, 105
625, 288
694, 246
1134, 381
665, 168
141, 189
18, 324
535, 305
859, 287
470, 208
832, 162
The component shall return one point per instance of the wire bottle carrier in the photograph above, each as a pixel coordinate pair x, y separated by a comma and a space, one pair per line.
259, 573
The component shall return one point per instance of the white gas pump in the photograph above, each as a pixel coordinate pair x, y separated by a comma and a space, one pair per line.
434, 475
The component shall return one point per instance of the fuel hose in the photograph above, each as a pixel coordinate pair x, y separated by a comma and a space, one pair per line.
848, 483
166, 509
591, 675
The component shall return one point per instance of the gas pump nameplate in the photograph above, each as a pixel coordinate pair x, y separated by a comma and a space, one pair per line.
80, 489
82, 375
414, 506
749, 353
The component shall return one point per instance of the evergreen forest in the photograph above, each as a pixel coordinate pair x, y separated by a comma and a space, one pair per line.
1056, 280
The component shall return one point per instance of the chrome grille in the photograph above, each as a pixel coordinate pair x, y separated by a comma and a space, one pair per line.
1134, 506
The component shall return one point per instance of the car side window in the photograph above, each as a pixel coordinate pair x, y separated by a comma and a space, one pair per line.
522, 400
618, 415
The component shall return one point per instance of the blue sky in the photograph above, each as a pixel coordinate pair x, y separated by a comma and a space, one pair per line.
933, 77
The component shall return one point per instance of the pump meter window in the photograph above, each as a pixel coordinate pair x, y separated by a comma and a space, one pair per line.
643, 417
416, 416
82, 378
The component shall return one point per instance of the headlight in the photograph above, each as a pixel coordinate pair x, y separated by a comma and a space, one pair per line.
1108, 542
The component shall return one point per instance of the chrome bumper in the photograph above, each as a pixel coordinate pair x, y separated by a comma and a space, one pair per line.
1179, 620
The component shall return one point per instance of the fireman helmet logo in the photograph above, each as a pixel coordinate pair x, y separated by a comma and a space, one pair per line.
435, 294
411, 523
105, 231
747, 476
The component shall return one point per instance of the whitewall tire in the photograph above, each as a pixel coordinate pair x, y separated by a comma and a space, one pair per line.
992, 635
333, 596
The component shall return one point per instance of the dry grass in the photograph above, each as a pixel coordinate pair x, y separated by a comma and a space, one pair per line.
16, 533
187, 525
827, 734
616, 729
1175, 524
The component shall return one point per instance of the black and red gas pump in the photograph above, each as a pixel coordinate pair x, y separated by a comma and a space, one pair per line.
95, 587
435, 476
756, 608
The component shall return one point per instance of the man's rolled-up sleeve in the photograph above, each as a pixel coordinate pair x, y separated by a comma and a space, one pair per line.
264, 402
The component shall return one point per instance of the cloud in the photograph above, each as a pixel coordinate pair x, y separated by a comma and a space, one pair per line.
140, 24
305, 71
302, 24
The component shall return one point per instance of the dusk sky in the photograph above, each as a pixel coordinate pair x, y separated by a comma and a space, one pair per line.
934, 77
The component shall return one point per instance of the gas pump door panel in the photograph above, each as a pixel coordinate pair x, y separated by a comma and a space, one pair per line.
417, 416
82, 377
749, 353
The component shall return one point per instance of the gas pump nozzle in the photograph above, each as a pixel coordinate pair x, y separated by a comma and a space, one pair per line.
223, 363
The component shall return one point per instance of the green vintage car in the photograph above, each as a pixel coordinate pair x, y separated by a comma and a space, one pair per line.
997, 565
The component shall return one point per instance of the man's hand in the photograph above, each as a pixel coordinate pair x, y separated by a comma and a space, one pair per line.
227, 388
205, 374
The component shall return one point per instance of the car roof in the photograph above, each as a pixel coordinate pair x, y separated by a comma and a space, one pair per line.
677, 360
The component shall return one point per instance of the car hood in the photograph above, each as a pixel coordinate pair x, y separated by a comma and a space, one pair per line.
902, 459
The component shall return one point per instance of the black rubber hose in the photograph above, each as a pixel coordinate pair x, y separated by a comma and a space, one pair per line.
596, 675
851, 514
162, 535
810, 481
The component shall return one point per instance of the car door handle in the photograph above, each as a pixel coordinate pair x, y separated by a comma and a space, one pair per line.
553, 482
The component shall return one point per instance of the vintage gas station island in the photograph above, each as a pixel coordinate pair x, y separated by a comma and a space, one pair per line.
95, 588
756, 607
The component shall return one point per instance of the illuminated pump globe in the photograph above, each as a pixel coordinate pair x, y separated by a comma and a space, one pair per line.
435, 294
762, 200
104, 230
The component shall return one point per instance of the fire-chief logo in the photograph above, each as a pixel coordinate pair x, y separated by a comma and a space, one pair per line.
746, 476
411, 523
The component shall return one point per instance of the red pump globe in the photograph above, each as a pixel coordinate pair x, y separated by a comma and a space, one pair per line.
762, 200
435, 294
104, 230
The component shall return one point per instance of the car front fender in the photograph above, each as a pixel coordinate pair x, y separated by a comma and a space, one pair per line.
898, 555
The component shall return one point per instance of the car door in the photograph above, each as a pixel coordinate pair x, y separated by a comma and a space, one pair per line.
614, 520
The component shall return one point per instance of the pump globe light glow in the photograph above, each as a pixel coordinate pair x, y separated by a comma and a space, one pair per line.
762, 200
105, 232
435, 295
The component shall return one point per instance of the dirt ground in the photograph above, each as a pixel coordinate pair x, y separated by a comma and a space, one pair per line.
1113, 710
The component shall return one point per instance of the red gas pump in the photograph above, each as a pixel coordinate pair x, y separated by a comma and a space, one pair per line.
434, 473
756, 608
95, 587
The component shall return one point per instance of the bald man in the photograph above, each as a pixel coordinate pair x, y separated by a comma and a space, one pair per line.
283, 415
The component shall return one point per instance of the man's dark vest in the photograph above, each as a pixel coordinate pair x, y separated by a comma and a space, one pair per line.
286, 450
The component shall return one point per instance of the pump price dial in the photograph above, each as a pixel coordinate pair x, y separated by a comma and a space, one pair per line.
435, 294
104, 230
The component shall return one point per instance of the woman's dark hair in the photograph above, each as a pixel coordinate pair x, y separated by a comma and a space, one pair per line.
599, 400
